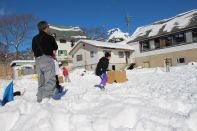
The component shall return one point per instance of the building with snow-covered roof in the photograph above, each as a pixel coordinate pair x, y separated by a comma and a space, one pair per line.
86, 53
66, 37
116, 35
174, 39
22, 67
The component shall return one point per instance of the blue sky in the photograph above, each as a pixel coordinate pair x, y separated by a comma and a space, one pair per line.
93, 13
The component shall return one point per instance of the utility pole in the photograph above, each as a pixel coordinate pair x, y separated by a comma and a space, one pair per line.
128, 22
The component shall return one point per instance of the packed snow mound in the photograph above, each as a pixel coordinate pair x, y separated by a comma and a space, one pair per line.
117, 35
151, 100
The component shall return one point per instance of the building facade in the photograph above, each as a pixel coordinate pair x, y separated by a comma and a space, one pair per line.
66, 37
87, 53
173, 39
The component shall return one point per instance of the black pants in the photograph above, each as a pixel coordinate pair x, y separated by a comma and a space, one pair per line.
17, 93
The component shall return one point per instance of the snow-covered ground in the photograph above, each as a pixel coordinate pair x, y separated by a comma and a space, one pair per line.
151, 100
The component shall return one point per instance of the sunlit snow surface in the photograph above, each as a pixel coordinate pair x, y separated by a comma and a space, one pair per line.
151, 100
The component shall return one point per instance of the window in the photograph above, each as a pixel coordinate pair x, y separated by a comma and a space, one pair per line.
157, 43
144, 45
62, 52
121, 54
104, 51
169, 40
62, 41
146, 64
91, 54
79, 57
181, 60
194, 35
179, 37
128, 54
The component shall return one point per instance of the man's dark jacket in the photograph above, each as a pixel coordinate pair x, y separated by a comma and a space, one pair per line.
46, 42
102, 66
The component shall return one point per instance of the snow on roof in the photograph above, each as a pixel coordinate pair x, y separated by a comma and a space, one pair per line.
79, 37
66, 32
121, 45
27, 65
22, 61
117, 34
107, 44
65, 29
176, 23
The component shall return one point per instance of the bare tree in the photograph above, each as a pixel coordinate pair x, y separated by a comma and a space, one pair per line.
3, 52
96, 32
26, 54
15, 29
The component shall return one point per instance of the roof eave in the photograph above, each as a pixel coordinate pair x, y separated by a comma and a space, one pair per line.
71, 52
164, 34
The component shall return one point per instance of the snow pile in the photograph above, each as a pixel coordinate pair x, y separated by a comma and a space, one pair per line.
117, 35
151, 100
167, 25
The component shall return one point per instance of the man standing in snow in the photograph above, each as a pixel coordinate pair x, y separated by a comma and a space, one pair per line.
43, 46
102, 68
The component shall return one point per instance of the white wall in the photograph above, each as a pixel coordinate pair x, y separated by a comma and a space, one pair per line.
79, 63
99, 52
152, 44
136, 47
89, 59
86, 59
114, 55
63, 46
189, 37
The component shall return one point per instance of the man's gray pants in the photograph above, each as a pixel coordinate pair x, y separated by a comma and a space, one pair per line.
46, 77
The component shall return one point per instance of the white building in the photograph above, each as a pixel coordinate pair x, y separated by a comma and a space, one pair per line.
174, 39
86, 53
66, 37
116, 35
22, 67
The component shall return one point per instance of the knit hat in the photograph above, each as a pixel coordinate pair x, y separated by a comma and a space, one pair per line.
107, 54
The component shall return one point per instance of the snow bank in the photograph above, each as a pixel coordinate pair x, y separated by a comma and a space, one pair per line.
151, 100
192, 121
127, 118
